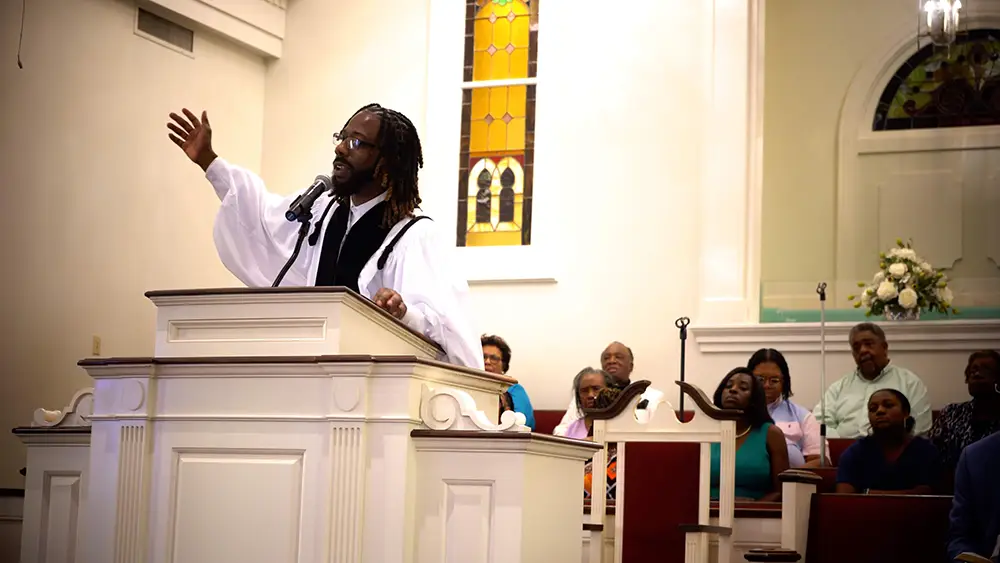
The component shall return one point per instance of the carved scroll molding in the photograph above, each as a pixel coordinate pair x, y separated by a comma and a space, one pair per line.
76, 413
453, 409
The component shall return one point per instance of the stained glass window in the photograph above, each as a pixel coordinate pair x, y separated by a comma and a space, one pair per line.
498, 123
956, 86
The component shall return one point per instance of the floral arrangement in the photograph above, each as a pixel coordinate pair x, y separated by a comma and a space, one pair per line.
904, 285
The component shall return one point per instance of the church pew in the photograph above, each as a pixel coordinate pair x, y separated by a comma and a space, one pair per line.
878, 528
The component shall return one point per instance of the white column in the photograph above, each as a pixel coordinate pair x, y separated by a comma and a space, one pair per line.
731, 156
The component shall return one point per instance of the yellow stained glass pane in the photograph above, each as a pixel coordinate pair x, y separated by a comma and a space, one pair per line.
481, 102
501, 33
511, 238
517, 100
500, 66
481, 68
515, 134
519, 63
482, 34
519, 31
498, 101
478, 136
498, 136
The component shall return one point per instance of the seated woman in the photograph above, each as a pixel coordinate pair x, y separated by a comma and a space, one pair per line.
891, 460
496, 357
961, 424
797, 423
761, 452
593, 388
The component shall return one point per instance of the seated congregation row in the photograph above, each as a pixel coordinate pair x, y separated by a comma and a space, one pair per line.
884, 407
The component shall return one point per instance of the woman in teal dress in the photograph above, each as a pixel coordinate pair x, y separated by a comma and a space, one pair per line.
761, 454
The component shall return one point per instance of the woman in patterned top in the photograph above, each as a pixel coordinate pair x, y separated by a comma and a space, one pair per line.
961, 424
593, 389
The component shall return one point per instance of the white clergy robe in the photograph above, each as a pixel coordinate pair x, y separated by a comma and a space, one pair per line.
254, 240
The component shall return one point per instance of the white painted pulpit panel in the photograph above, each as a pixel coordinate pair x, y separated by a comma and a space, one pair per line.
60, 510
233, 506
468, 509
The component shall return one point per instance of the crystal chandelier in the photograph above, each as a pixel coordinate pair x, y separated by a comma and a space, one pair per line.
942, 20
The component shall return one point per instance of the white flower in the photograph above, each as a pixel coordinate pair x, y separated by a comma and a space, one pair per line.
945, 295
908, 298
907, 253
897, 269
886, 290
879, 277
926, 267
866, 298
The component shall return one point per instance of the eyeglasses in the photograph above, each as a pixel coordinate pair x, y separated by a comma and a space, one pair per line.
353, 143
492, 358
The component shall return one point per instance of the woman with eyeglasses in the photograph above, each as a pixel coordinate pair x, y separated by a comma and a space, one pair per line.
496, 358
961, 424
797, 423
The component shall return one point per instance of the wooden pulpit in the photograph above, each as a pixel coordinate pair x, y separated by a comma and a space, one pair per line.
271, 425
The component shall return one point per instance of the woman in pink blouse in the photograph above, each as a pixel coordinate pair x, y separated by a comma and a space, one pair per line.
800, 427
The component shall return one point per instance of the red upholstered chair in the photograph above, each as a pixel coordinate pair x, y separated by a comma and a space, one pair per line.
546, 420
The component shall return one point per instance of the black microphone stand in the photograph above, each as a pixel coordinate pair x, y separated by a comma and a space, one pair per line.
821, 290
304, 219
682, 324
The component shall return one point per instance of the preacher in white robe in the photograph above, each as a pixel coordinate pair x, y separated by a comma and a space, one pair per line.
255, 240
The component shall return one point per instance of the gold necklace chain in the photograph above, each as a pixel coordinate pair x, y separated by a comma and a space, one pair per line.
744, 433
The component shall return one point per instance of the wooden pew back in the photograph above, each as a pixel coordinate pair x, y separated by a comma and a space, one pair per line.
878, 528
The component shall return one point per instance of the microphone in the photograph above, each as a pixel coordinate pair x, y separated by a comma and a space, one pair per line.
303, 204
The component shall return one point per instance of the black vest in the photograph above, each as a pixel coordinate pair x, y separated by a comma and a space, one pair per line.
363, 240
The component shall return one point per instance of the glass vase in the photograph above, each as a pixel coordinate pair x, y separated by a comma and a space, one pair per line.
902, 314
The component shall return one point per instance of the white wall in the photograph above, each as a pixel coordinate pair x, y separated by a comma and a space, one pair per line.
835, 194
617, 166
97, 205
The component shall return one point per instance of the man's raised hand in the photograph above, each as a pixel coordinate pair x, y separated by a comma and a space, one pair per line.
193, 136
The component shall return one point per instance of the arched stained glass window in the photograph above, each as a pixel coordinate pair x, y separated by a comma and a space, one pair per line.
498, 122
956, 86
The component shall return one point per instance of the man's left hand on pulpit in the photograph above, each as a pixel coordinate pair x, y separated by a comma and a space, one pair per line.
391, 302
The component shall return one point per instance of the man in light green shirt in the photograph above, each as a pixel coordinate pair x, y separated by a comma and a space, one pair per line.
847, 398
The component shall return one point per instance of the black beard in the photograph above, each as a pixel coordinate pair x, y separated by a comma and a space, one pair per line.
354, 183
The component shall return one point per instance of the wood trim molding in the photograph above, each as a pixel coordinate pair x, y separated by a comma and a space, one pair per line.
913, 336
633, 390
524, 436
263, 360
799, 476
706, 405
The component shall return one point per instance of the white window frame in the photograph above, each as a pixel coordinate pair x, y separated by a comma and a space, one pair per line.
537, 262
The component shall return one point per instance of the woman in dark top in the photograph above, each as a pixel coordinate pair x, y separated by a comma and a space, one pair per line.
891, 460
961, 424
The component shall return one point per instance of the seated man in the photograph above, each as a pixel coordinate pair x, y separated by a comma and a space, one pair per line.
617, 361
846, 413
975, 511
496, 357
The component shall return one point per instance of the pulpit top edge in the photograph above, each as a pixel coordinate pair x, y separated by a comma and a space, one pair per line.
200, 292
532, 436
49, 430
258, 360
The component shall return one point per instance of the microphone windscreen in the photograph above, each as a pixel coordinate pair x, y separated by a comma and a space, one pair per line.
327, 182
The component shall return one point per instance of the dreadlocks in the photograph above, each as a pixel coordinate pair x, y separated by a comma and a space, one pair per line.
399, 147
